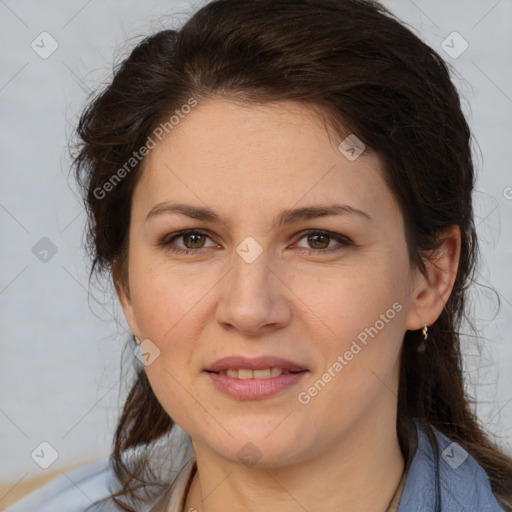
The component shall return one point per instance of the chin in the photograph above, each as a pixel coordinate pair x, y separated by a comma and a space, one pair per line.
261, 451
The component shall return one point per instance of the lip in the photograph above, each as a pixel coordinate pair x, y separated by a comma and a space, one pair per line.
254, 389
254, 363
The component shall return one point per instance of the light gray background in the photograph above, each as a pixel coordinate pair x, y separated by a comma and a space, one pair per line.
60, 353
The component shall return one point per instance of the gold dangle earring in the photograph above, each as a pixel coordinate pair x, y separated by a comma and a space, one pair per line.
422, 346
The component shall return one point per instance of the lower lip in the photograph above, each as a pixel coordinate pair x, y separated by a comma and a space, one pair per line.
255, 389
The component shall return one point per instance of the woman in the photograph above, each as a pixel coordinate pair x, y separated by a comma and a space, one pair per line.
281, 193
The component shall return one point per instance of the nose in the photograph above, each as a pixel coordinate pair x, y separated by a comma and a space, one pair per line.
253, 298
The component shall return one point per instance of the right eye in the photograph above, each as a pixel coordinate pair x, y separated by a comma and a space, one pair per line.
193, 241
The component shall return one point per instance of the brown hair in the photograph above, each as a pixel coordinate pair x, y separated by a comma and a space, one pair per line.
374, 78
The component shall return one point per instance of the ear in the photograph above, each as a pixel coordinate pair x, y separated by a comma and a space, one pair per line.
123, 294
432, 291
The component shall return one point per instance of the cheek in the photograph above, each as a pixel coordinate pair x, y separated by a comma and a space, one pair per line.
162, 298
169, 309
347, 301
165, 315
365, 314
360, 349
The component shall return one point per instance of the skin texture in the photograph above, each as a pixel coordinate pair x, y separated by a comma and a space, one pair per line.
248, 162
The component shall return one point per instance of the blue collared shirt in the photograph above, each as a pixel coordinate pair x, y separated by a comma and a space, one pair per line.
445, 479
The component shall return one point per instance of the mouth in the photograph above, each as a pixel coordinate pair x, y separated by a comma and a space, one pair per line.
247, 373
258, 378
263, 367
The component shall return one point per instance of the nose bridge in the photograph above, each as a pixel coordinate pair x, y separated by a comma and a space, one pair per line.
251, 296
250, 274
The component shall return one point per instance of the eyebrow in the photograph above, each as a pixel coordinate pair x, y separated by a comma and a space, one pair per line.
287, 216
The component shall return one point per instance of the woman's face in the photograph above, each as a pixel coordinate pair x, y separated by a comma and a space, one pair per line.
335, 302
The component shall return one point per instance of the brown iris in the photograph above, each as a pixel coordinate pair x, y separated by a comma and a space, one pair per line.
316, 237
196, 238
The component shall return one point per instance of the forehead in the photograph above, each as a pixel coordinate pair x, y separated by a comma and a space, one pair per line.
236, 157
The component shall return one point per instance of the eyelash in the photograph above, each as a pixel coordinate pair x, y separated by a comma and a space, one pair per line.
166, 242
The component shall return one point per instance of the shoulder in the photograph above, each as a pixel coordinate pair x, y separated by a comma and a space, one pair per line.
72, 491
76, 490
444, 477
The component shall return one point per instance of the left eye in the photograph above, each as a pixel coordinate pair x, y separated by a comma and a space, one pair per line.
323, 238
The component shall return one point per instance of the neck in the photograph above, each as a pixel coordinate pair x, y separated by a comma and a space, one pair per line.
360, 475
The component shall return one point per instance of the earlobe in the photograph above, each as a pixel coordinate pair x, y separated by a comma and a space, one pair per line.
433, 290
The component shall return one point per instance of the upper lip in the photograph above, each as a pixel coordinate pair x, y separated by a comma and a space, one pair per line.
256, 363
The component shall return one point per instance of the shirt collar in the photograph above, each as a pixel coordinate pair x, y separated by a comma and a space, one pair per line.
173, 500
